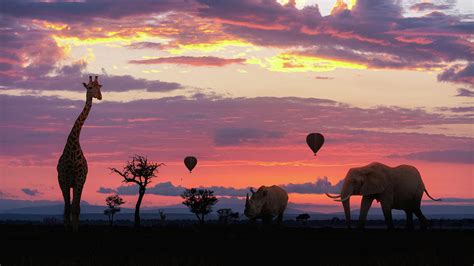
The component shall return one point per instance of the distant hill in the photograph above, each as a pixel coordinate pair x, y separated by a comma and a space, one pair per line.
430, 211
36, 210
53, 207
6, 204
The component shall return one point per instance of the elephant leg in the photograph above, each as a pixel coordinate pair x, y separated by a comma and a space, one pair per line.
387, 213
347, 212
422, 218
364, 210
409, 215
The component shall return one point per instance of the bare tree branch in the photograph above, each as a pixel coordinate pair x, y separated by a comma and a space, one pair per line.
139, 171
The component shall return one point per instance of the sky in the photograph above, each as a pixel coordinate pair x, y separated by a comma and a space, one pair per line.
238, 84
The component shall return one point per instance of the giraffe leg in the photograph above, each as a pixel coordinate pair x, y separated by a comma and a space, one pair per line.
67, 206
76, 206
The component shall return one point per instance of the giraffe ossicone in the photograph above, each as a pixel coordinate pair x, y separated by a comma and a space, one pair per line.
72, 165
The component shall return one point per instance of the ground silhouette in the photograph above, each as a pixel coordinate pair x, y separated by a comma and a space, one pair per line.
234, 244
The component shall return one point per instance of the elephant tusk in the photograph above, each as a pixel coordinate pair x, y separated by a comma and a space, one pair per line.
333, 197
344, 199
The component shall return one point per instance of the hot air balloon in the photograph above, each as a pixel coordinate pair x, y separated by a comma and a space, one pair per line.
315, 141
190, 162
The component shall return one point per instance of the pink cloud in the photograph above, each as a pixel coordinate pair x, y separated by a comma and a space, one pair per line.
205, 124
426, 6
374, 33
371, 30
70, 77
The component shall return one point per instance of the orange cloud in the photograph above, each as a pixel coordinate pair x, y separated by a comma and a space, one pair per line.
249, 24
350, 35
339, 7
288, 62
190, 60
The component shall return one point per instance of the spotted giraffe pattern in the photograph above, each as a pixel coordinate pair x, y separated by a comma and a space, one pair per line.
72, 166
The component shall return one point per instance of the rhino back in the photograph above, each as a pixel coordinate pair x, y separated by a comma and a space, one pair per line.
275, 201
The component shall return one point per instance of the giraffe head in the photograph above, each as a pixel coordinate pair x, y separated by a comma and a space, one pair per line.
93, 88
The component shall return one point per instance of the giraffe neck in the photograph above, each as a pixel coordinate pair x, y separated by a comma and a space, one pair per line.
76, 129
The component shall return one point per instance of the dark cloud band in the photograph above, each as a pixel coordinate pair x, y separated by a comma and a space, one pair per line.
320, 186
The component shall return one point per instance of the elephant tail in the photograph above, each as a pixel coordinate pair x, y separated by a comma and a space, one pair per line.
428, 194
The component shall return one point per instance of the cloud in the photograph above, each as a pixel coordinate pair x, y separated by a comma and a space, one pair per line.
128, 82
238, 136
445, 156
465, 93
373, 33
106, 190
70, 77
168, 189
323, 77
320, 186
26, 51
462, 109
146, 45
86, 12
164, 189
31, 192
261, 124
31, 54
459, 74
426, 6
190, 60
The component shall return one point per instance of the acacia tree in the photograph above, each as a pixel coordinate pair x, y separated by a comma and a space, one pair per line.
303, 218
199, 201
226, 215
113, 202
139, 171
162, 215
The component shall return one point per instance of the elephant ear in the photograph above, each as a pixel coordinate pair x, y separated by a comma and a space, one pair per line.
374, 183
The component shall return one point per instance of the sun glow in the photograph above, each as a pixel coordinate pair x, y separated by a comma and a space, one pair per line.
301, 63
110, 37
208, 47
50, 25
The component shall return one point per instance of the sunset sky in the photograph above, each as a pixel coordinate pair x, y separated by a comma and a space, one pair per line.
238, 84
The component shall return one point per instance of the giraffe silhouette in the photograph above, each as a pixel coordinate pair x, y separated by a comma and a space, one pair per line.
72, 165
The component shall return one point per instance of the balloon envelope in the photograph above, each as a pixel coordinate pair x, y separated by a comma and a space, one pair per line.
190, 162
315, 141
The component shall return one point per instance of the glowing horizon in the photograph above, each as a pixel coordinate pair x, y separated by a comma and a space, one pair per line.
238, 84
